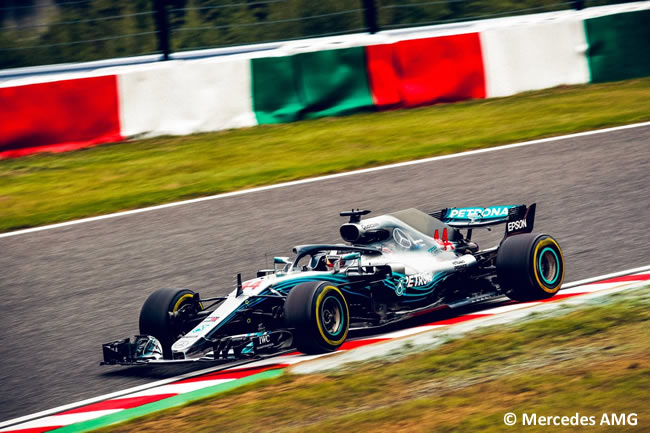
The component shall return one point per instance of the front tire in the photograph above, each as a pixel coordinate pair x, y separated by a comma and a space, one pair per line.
157, 316
530, 267
319, 315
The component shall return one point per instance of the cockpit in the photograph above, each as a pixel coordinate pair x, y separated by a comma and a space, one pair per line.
389, 236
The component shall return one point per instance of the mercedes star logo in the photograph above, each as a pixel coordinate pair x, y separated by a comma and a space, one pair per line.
401, 238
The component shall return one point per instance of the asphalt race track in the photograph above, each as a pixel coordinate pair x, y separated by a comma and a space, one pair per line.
67, 290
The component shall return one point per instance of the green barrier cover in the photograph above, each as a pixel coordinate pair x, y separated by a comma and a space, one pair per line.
619, 46
310, 85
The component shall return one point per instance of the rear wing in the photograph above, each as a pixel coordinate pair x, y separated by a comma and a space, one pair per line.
517, 218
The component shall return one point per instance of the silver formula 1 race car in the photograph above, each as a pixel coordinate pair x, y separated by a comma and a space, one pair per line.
392, 267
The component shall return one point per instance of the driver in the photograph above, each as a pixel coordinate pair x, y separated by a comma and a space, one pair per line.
331, 261
326, 262
318, 263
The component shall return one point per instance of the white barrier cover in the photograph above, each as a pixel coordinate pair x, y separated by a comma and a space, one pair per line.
537, 56
185, 97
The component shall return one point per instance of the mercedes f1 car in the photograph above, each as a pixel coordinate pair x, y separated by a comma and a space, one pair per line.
391, 268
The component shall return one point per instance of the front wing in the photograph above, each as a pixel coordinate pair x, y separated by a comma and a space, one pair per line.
224, 349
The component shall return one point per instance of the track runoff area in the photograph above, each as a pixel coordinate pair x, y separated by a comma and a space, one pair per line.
131, 403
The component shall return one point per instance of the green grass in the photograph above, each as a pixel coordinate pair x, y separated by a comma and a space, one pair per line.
590, 361
45, 189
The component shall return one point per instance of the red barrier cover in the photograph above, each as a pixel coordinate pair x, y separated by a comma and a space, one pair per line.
58, 116
426, 71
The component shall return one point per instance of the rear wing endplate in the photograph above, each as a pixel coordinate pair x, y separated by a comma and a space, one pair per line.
517, 218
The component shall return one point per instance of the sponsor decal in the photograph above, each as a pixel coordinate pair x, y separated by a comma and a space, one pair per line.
180, 344
479, 213
400, 287
417, 280
401, 238
369, 226
212, 319
432, 250
459, 264
201, 328
265, 338
263, 341
517, 225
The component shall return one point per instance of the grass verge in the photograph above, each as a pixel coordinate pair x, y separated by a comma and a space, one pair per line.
44, 189
591, 361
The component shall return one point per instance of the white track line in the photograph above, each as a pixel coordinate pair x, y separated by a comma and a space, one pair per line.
322, 178
115, 395
64, 420
179, 388
280, 360
606, 277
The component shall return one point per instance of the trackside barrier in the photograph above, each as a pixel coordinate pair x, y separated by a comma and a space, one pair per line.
179, 98
331, 77
417, 72
523, 58
619, 46
310, 85
58, 116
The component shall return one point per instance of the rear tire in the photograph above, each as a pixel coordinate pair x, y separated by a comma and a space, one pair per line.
156, 320
530, 266
319, 315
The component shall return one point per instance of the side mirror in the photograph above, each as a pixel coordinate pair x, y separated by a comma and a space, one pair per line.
352, 256
282, 261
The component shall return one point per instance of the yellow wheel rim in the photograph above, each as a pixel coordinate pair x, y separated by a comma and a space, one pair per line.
181, 300
538, 248
319, 301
